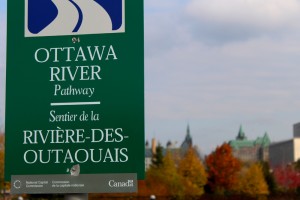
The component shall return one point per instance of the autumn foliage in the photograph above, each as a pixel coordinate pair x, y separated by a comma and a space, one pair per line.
184, 176
187, 176
222, 169
1, 156
175, 177
251, 181
287, 178
164, 180
2, 184
193, 173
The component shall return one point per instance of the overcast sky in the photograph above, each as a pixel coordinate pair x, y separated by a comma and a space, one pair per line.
215, 65
2, 60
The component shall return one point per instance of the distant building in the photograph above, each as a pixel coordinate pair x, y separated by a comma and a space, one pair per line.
250, 150
149, 152
188, 141
286, 152
171, 147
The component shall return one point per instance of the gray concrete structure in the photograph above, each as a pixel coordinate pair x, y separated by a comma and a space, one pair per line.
285, 152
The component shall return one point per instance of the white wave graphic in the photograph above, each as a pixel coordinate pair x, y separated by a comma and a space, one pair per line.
66, 20
95, 18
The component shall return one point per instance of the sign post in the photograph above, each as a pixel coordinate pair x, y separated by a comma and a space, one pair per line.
74, 96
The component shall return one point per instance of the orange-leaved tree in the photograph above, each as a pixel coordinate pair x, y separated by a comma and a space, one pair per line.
193, 173
222, 169
164, 180
252, 181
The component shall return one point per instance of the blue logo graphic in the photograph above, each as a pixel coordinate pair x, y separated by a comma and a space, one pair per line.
69, 17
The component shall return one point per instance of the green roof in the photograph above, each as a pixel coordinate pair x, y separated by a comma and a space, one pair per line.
236, 144
264, 141
242, 141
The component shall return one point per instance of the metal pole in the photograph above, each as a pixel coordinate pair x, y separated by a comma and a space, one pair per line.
76, 197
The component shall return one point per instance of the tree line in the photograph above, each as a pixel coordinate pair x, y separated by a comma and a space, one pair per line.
187, 176
219, 173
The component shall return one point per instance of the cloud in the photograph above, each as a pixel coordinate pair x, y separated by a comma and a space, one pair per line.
166, 6
3, 31
229, 20
255, 71
2, 66
164, 31
219, 64
3, 40
255, 13
217, 88
214, 22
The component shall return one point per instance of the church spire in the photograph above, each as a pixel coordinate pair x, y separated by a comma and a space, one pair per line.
188, 130
241, 134
188, 142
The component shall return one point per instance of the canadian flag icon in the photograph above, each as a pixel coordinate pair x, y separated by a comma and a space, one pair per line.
73, 17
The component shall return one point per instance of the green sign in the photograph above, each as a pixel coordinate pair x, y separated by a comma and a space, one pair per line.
74, 89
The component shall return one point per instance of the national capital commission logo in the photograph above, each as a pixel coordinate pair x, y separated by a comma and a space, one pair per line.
73, 17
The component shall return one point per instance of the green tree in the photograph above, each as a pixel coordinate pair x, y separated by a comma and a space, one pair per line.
222, 169
157, 158
193, 173
297, 165
269, 177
